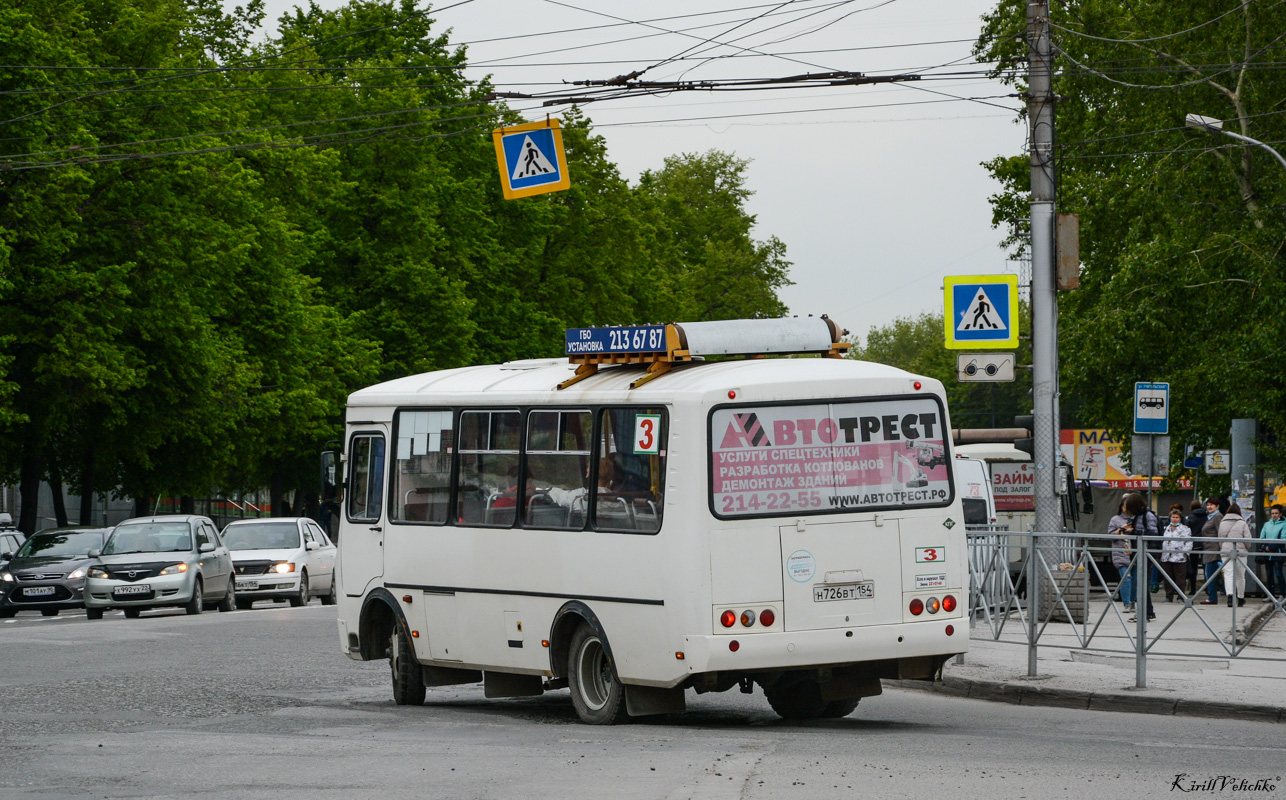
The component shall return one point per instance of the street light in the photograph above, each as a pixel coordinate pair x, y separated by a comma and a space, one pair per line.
1212, 125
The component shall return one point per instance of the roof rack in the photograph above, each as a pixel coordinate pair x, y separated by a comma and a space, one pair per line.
663, 346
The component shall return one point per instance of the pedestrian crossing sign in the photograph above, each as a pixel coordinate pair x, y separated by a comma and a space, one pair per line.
981, 311
531, 159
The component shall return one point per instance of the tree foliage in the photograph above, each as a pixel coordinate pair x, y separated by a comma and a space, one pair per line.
208, 239
915, 344
1182, 231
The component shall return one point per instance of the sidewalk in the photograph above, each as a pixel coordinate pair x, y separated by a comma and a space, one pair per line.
1183, 675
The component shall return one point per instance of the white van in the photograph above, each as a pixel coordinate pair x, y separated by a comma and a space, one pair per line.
973, 487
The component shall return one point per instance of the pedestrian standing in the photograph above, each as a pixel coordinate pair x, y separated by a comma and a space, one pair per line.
1174, 551
1274, 545
1196, 520
1233, 527
1210, 549
1143, 523
1122, 533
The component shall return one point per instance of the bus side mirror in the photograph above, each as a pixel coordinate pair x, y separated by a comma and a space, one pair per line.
330, 477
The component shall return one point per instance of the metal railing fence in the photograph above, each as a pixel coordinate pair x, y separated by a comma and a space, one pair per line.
1025, 586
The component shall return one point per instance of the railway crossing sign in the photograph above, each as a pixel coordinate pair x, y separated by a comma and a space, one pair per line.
1151, 407
531, 159
981, 312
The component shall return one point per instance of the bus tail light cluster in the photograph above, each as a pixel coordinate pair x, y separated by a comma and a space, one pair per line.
748, 618
932, 605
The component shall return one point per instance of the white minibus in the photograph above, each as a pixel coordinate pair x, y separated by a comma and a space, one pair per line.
636, 521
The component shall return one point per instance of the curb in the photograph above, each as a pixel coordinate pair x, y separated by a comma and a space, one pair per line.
1019, 694
1027, 695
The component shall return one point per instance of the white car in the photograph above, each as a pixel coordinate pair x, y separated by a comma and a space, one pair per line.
281, 558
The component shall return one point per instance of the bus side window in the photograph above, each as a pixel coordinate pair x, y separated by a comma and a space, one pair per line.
630, 473
365, 501
558, 473
422, 478
488, 490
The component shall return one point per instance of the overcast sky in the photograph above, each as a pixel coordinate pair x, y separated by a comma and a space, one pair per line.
875, 204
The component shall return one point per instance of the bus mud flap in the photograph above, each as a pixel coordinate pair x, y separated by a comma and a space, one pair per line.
843, 686
643, 701
446, 676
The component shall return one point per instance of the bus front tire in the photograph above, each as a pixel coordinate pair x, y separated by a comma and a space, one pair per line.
801, 700
837, 709
597, 694
408, 680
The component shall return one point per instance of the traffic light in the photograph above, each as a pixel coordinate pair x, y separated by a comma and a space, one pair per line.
1027, 445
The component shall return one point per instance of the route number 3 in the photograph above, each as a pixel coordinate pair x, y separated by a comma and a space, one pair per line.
647, 434
928, 554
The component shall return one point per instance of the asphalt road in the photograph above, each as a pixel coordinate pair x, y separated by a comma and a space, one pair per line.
262, 704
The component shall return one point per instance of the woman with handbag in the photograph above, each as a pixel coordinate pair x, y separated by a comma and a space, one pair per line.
1234, 553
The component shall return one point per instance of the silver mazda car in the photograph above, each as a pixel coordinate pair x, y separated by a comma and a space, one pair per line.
161, 561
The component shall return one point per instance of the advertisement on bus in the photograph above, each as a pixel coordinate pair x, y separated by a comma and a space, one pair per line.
819, 458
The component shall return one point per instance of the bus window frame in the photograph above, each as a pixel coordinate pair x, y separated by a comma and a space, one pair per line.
455, 463
351, 484
664, 436
793, 513
519, 493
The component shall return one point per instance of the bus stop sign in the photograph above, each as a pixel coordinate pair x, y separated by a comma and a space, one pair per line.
1151, 407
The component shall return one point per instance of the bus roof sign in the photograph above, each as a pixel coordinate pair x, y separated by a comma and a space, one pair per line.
661, 346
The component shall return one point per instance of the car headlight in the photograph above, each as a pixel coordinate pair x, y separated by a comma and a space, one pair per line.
6, 576
76, 573
174, 569
98, 572
283, 567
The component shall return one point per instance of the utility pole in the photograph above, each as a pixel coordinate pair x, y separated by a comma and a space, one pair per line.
1044, 294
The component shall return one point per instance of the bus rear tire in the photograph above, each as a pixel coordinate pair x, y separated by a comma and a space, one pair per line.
408, 679
801, 700
837, 709
597, 694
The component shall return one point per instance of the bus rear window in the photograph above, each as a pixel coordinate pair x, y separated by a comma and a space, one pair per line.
822, 458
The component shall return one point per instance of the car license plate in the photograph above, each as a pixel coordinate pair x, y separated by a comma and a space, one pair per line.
138, 588
37, 591
864, 590
247, 585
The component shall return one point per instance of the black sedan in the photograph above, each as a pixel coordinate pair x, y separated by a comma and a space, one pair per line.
47, 574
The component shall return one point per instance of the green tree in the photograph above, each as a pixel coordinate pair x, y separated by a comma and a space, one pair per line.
1182, 234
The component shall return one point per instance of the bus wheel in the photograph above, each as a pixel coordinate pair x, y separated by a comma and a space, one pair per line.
836, 709
800, 700
408, 680
599, 698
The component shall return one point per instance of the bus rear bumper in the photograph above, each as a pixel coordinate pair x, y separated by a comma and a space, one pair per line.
801, 649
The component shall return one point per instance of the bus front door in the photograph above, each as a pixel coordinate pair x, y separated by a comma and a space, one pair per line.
361, 548
840, 574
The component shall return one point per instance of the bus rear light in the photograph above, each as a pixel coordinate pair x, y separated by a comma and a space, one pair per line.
916, 385
949, 603
932, 605
767, 618
951, 629
917, 607
732, 394
728, 618
747, 618
734, 645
